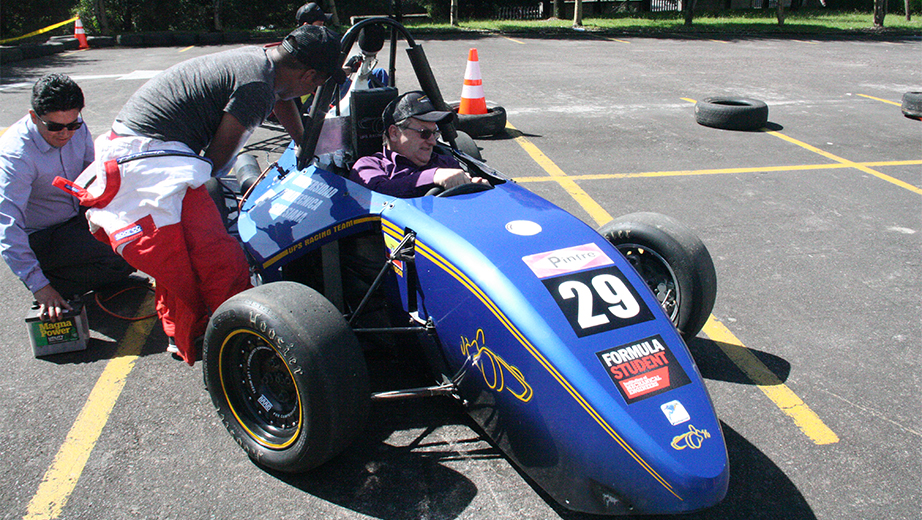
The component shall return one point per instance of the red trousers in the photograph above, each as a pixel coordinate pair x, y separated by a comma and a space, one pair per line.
196, 266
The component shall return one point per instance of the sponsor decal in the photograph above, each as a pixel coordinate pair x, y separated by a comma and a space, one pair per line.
391, 243
127, 233
566, 260
644, 368
131, 232
525, 228
265, 402
597, 301
691, 439
675, 413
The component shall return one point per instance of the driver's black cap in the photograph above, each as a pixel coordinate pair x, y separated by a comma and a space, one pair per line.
310, 13
318, 48
413, 104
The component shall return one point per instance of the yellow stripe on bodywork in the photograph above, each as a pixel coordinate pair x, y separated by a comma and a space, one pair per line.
455, 273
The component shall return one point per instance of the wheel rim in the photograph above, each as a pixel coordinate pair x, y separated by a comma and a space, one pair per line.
658, 276
260, 389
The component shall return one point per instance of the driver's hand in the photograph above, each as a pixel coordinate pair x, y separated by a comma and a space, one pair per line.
451, 177
51, 304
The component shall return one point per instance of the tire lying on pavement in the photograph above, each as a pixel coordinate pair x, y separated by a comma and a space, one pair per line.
480, 125
912, 105
729, 113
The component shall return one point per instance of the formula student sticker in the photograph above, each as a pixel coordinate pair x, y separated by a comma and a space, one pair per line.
642, 369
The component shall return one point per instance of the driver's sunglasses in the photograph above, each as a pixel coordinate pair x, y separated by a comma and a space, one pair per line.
57, 127
424, 133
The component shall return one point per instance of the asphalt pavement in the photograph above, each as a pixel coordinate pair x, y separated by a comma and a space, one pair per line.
812, 356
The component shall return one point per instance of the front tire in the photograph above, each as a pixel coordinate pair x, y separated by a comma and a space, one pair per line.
287, 376
673, 261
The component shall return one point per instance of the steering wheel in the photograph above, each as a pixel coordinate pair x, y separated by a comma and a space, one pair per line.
461, 189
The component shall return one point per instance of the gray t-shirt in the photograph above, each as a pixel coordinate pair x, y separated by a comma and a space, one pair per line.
186, 102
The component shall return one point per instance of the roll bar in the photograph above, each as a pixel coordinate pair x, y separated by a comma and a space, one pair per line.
324, 95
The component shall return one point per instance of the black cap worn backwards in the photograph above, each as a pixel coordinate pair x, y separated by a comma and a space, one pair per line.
318, 48
413, 104
310, 13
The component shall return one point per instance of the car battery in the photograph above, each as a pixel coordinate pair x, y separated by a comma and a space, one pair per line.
68, 334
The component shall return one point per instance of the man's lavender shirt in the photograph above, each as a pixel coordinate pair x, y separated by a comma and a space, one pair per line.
28, 201
393, 174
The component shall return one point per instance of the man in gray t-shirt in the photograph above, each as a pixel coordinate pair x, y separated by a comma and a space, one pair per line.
158, 216
213, 103
187, 102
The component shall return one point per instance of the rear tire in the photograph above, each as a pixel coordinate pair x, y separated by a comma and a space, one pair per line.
673, 261
287, 375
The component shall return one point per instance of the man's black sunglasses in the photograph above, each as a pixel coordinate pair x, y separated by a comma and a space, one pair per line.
57, 127
424, 133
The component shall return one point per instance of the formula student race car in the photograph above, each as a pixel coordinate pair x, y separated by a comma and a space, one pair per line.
564, 343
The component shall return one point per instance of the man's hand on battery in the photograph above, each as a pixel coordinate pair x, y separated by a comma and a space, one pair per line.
50, 303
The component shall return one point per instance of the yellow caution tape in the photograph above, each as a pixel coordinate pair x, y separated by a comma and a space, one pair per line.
40, 31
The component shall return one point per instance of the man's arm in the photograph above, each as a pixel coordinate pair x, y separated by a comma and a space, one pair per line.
227, 141
289, 117
15, 189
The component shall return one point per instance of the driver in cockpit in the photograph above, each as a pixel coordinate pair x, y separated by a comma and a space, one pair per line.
406, 167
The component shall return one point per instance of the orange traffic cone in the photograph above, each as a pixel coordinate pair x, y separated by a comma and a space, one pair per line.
80, 34
473, 100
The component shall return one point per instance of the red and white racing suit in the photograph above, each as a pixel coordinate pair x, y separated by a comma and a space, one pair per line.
147, 201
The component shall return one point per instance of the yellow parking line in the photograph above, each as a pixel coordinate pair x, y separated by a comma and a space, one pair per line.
718, 171
846, 162
780, 394
513, 40
187, 48
61, 478
769, 384
881, 100
596, 211
840, 160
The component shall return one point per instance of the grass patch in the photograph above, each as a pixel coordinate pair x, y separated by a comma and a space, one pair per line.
756, 22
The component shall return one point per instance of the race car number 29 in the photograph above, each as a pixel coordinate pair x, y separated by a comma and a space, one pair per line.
597, 301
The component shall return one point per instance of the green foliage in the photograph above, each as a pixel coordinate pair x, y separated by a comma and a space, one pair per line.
126, 16
22, 17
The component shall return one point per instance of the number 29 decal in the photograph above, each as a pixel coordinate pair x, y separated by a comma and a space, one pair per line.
597, 301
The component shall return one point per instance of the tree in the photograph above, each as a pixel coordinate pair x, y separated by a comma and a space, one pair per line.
578, 13
216, 5
781, 11
330, 7
99, 11
880, 10
689, 7
453, 15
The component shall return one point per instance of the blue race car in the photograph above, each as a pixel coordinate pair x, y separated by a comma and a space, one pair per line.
563, 342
